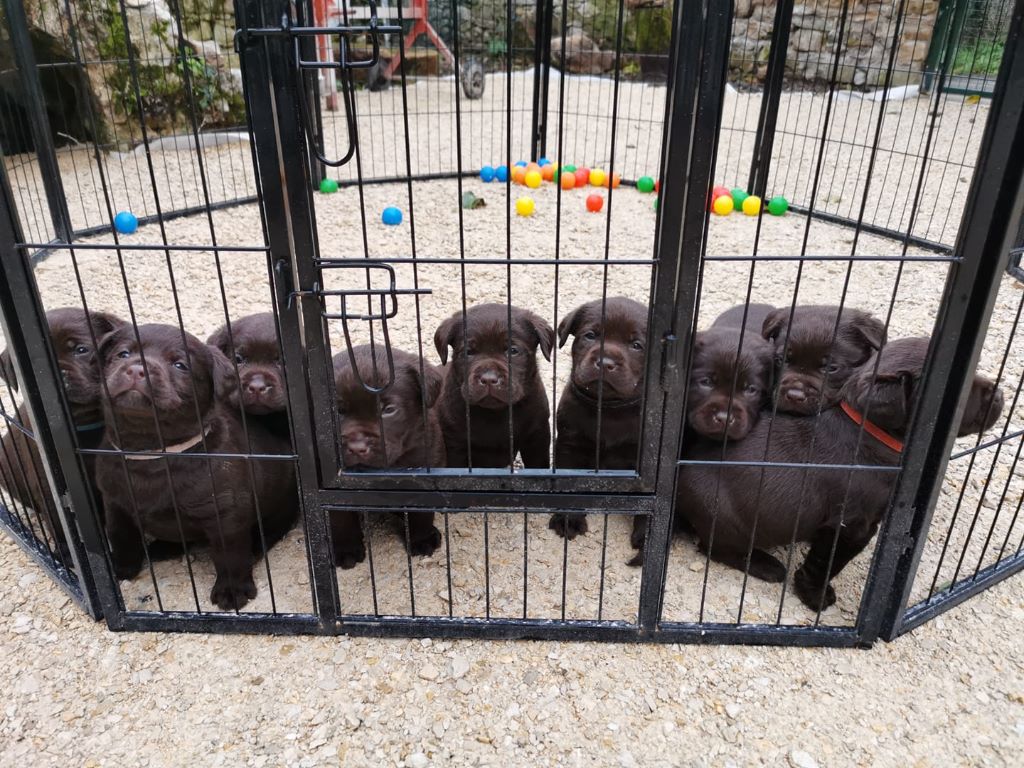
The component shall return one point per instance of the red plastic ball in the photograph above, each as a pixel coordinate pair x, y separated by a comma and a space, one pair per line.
657, 186
717, 192
582, 177
594, 203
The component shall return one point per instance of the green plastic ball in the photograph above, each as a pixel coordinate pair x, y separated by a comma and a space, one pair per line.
655, 203
328, 186
778, 206
569, 168
738, 196
645, 184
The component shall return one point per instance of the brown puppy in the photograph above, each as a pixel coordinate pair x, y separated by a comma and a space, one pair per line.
816, 367
253, 345
386, 430
762, 509
72, 333
493, 369
176, 382
609, 353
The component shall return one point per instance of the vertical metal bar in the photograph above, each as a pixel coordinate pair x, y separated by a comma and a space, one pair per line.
541, 78
37, 113
27, 334
937, 46
693, 110
989, 229
281, 151
764, 137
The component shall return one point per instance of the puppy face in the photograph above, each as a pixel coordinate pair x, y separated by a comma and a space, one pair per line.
493, 362
171, 373
376, 429
890, 402
608, 353
816, 367
76, 353
258, 357
727, 391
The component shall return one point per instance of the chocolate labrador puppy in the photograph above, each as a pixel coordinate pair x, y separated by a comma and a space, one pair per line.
383, 431
494, 370
253, 345
759, 509
609, 352
72, 333
816, 367
168, 393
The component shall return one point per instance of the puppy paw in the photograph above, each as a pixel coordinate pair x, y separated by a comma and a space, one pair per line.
636, 560
568, 526
426, 544
230, 594
810, 593
349, 558
126, 568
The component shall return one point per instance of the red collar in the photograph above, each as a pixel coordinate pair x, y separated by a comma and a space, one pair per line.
874, 430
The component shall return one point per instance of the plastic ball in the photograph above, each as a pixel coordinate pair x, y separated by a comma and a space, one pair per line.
125, 222
568, 181
391, 216
738, 196
752, 205
501, 173
525, 206
487, 174
548, 172
519, 174
657, 186
723, 205
645, 184
614, 179
533, 179
521, 164
594, 203
328, 186
655, 203
597, 177
569, 168
778, 205
717, 192
543, 161
582, 177
532, 167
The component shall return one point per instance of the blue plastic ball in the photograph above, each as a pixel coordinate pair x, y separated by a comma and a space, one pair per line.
487, 174
543, 161
501, 173
392, 216
125, 222
522, 164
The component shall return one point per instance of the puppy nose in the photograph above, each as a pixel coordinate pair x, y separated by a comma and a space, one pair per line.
608, 363
721, 417
490, 378
257, 385
135, 371
64, 376
796, 394
358, 446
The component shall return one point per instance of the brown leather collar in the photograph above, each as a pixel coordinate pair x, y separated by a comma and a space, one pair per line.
606, 403
181, 447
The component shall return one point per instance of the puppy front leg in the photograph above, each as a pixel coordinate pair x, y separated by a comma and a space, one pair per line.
569, 455
536, 447
424, 538
347, 539
127, 551
232, 561
811, 581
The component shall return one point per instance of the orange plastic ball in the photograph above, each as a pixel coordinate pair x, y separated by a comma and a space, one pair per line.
532, 167
615, 180
519, 174
568, 180
547, 172
594, 203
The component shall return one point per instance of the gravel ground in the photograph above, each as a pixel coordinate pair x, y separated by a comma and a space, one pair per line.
950, 693
597, 581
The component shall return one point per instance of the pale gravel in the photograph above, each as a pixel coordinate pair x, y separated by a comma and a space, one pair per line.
950, 693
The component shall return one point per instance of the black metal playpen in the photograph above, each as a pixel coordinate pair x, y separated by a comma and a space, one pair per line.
295, 345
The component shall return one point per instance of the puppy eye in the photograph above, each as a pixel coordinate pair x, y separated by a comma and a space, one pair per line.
239, 359
470, 351
704, 381
180, 365
389, 410
589, 335
81, 349
513, 350
124, 353
831, 368
752, 389
637, 346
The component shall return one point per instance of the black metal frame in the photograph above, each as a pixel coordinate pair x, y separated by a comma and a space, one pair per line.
285, 146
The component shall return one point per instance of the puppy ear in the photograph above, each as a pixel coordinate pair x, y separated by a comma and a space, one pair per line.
866, 329
568, 325
984, 406
766, 355
223, 373
430, 382
219, 339
7, 370
892, 398
444, 336
103, 323
774, 323
544, 332
103, 343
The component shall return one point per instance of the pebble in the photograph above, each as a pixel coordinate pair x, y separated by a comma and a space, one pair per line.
732, 709
800, 759
460, 666
417, 760
429, 672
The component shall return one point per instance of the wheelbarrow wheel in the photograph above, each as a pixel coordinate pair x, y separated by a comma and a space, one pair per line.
473, 78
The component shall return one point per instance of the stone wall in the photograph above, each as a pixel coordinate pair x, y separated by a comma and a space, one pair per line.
864, 48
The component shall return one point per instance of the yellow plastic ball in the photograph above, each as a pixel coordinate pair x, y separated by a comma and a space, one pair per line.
723, 205
533, 179
752, 205
524, 206
597, 177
